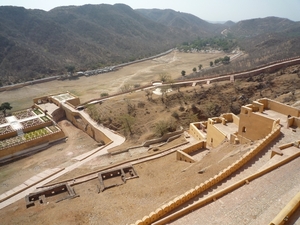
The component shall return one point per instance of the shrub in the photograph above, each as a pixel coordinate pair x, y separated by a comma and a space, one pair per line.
175, 115
104, 94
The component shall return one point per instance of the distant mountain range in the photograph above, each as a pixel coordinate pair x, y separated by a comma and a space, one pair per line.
36, 43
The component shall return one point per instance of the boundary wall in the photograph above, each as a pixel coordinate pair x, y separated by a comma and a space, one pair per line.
271, 67
173, 204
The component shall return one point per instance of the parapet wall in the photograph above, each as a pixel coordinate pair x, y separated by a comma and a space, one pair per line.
279, 107
168, 207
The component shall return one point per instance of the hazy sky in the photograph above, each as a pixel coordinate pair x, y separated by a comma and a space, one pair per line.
212, 10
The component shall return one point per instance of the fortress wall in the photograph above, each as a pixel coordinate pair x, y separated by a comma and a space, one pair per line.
154, 216
229, 189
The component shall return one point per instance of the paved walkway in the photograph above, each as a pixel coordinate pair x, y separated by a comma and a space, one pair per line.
21, 191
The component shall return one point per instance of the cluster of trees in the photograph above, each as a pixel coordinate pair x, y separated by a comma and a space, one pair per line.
183, 72
220, 42
225, 60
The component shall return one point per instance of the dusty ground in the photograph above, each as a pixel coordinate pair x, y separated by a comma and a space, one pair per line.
91, 87
159, 180
13, 174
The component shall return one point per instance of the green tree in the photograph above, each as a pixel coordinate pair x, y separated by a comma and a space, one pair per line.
194, 69
183, 73
5, 106
217, 61
211, 63
200, 66
70, 69
226, 60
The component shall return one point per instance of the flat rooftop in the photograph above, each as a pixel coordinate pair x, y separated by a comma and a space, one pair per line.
275, 115
227, 129
63, 97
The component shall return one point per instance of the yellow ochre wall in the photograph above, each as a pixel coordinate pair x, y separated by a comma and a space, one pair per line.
279, 107
85, 126
257, 126
195, 132
214, 136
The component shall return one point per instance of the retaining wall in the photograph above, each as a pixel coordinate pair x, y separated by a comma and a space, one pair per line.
81, 123
13, 149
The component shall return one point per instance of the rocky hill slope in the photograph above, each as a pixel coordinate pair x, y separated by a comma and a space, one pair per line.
36, 43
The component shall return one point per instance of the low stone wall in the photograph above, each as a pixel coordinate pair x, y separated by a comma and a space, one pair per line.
163, 138
163, 210
182, 156
195, 147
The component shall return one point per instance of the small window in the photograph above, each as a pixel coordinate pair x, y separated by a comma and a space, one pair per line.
244, 129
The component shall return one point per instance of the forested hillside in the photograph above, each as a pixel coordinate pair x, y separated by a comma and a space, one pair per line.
36, 43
